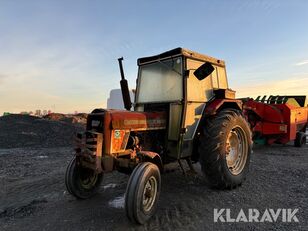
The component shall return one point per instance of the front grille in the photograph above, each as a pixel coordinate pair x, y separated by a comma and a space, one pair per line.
89, 145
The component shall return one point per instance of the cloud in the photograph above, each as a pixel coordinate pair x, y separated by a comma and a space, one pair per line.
3, 77
304, 62
289, 86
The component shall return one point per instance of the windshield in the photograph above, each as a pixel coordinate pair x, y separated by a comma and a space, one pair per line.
160, 81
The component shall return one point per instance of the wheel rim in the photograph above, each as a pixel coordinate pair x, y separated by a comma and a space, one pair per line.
87, 178
149, 194
236, 150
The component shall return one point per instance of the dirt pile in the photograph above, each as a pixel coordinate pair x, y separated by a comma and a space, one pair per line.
29, 131
80, 118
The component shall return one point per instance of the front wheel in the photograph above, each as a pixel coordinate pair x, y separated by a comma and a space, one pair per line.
225, 147
81, 182
142, 192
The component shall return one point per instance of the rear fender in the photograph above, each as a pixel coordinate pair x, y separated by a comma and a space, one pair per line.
218, 104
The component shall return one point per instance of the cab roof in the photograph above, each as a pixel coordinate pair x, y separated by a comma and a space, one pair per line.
181, 52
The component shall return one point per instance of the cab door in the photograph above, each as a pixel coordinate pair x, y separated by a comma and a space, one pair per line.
198, 93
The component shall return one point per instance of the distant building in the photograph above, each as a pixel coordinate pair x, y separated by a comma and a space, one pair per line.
38, 112
115, 100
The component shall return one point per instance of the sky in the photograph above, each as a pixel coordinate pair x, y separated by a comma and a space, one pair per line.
62, 55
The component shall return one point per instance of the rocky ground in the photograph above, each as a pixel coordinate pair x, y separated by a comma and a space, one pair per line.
33, 195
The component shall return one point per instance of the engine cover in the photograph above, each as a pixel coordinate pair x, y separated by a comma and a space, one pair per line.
119, 123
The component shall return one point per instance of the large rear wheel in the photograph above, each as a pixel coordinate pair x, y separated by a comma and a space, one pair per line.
225, 148
81, 182
142, 192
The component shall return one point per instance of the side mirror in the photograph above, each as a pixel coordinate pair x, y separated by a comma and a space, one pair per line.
204, 71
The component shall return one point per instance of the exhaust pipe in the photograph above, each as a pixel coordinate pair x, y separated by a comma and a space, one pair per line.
124, 87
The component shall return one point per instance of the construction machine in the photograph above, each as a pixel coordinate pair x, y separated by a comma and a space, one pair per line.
277, 119
183, 111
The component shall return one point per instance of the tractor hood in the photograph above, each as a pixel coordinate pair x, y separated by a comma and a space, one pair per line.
136, 121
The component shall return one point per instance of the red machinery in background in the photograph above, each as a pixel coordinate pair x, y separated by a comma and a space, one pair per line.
278, 119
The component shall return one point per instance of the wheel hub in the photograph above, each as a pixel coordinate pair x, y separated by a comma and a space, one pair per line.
88, 178
236, 150
149, 193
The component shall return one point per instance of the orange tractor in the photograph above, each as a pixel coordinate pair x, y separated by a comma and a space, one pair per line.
183, 110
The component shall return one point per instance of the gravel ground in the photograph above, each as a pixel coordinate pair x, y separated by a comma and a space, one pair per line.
33, 194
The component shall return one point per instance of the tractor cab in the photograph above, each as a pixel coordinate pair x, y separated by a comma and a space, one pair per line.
180, 82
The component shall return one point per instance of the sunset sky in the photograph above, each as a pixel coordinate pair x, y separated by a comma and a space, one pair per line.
62, 55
